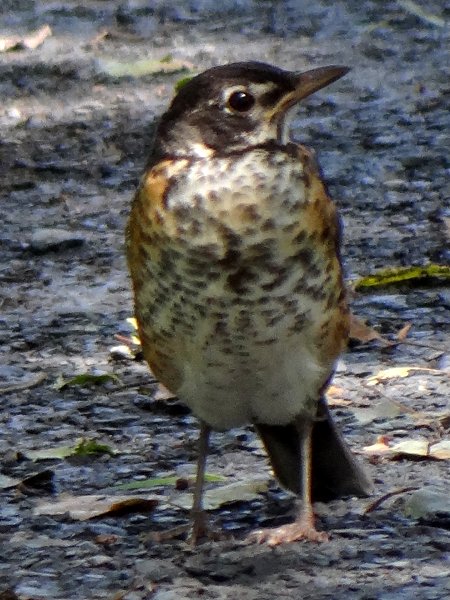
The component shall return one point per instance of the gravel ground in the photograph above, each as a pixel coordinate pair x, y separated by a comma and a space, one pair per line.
73, 143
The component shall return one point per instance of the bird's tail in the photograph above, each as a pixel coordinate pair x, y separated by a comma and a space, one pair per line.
335, 472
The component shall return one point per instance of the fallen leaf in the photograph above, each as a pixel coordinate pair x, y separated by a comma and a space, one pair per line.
240, 491
85, 379
418, 447
403, 275
83, 447
427, 503
362, 332
30, 41
336, 396
441, 450
49, 453
141, 68
83, 508
335, 391
413, 448
380, 447
171, 480
403, 332
401, 372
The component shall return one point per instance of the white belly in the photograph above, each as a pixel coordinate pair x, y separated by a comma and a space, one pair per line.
273, 384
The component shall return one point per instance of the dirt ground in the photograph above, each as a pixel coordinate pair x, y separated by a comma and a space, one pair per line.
73, 144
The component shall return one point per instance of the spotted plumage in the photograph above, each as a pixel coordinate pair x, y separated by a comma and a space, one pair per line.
233, 247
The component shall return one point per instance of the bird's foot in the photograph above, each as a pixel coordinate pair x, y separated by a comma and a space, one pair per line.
167, 534
301, 529
201, 528
194, 532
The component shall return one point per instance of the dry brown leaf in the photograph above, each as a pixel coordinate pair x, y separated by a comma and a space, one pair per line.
403, 332
441, 450
413, 448
336, 396
380, 447
31, 41
82, 508
362, 332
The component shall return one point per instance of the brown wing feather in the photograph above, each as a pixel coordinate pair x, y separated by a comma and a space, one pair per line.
322, 219
147, 224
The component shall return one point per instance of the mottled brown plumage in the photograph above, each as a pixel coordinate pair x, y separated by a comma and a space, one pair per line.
234, 252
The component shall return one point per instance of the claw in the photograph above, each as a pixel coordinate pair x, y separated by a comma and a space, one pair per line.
293, 532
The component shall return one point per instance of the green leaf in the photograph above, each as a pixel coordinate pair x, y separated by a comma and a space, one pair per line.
83, 447
85, 379
87, 447
164, 481
403, 275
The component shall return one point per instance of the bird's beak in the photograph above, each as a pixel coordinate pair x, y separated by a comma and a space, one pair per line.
306, 84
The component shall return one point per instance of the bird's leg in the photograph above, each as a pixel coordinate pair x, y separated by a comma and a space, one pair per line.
303, 527
199, 521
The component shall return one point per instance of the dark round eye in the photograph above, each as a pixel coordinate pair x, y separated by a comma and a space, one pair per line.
241, 101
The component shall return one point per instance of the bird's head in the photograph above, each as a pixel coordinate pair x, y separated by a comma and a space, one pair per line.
235, 106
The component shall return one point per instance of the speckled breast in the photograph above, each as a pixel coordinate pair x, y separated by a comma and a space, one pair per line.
237, 282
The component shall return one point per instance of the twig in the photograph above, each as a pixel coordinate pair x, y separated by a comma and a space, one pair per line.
374, 505
17, 387
417, 11
418, 344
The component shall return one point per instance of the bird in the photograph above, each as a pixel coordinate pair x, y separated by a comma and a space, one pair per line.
234, 252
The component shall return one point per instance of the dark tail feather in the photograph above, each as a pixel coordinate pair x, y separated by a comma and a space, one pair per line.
335, 472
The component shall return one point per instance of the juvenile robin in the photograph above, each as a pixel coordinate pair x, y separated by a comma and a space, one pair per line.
233, 246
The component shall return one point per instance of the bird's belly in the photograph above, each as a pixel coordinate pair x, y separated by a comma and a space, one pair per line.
274, 383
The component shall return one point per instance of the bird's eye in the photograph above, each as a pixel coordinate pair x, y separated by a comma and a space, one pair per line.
241, 101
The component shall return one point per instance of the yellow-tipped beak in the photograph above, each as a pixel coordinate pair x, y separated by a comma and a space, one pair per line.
306, 84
